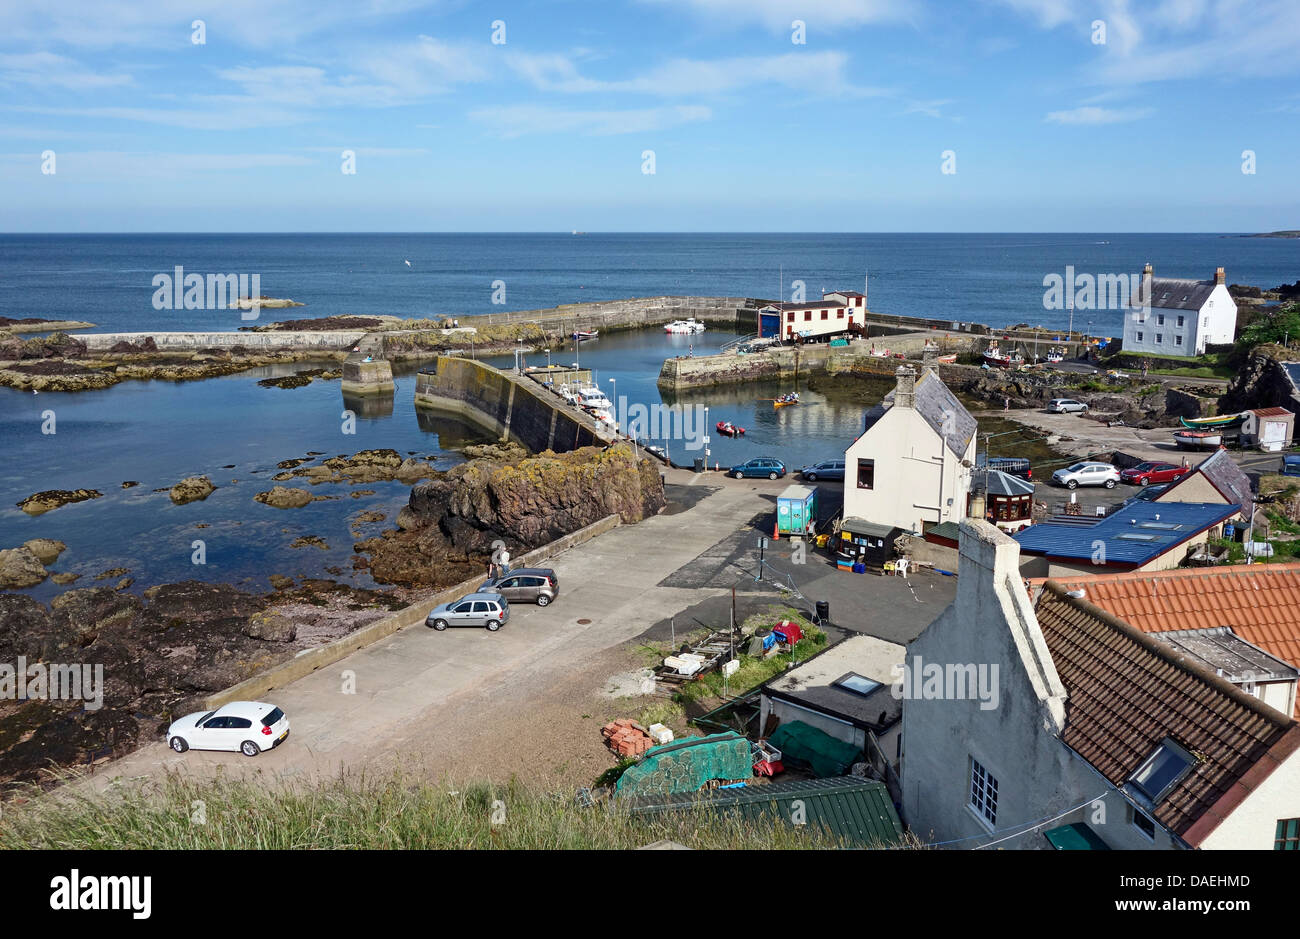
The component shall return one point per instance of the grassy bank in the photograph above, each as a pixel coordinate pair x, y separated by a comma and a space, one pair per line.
388, 812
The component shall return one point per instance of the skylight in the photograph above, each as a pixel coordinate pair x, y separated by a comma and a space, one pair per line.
1162, 770
858, 684
1134, 536
1163, 526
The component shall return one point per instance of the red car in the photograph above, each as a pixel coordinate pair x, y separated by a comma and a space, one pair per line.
1145, 473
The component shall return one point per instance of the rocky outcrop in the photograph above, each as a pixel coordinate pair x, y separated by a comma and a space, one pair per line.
47, 549
191, 489
364, 466
270, 626
450, 524
41, 502
19, 568
284, 497
1262, 382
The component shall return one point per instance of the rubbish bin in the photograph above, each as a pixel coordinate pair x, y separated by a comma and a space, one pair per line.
699, 464
823, 611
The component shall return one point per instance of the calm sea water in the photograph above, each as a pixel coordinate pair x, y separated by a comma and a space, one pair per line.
991, 278
159, 432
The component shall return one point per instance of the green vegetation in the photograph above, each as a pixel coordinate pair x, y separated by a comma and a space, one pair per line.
1209, 365
754, 670
1278, 325
389, 812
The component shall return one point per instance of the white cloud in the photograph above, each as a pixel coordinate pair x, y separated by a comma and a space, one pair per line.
818, 72
47, 70
1096, 115
522, 120
817, 14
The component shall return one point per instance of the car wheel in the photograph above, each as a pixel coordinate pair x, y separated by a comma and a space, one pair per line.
1072, 484
1144, 480
738, 474
440, 624
248, 748
543, 599
1110, 484
493, 625
772, 476
1084, 409
178, 744
811, 477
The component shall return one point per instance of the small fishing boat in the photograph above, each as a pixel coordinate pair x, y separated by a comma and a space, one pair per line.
582, 335
728, 429
684, 327
948, 359
1055, 355
1212, 423
1198, 439
785, 400
999, 359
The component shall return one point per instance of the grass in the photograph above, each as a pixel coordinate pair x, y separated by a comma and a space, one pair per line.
754, 670
1204, 371
377, 812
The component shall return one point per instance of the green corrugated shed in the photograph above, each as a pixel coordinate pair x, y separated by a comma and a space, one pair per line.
857, 811
1075, 837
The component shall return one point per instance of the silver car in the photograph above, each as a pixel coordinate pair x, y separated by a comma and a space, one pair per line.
475, 609
1066, 405
1087, 473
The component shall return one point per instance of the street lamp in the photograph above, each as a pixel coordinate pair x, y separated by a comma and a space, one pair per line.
613, 391
548, 359
706, 436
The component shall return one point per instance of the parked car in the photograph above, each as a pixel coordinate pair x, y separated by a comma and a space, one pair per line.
759, 467
1066, 406
1087, 473
827, 469
1146, 473
1012, 466
246, 726
525, 585
474, 609
1291, 465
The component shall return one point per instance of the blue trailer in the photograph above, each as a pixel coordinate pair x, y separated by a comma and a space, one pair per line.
796, 510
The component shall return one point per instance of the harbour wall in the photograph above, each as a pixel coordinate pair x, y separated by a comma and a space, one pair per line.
324, 340
509, 406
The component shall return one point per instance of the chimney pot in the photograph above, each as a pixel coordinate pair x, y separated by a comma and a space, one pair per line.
1219, 276
905, 392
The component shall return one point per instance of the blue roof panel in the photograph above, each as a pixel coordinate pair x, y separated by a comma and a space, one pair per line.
1136, 534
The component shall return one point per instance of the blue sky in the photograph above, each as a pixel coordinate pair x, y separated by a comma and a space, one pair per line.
1051, 130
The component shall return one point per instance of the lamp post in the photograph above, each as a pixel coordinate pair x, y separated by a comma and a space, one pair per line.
613, 391
548, 359
706, 436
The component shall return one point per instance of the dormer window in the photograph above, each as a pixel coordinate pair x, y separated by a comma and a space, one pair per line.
1162, 770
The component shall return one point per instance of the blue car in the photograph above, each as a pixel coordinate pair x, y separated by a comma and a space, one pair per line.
827, 469
759, 467
1291, 465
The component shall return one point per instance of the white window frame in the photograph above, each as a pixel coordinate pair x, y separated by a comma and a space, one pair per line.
979, 780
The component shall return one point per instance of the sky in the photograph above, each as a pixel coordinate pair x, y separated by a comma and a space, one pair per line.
650, 115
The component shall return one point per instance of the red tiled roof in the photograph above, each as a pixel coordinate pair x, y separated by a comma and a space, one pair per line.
1271, 412
1261, 602
1127, 693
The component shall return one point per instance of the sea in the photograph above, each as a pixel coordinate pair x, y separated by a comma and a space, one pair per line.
235, 431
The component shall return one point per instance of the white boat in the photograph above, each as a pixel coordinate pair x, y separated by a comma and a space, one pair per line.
1198, 439
592, 397
684, 326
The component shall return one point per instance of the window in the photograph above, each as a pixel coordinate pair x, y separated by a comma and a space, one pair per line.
1162, 770
983, 793
826, 314
839, 314
1178, 340
480, 606
1139, 335
856, 683
238, 723
1288, 835
789, 317
274, 716
866, 474
1180, 320
463, 608
217, 723
807, 316
1160, 320
1160, 337
1144, 823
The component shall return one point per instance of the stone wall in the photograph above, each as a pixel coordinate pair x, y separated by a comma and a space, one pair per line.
506, 405
326, 341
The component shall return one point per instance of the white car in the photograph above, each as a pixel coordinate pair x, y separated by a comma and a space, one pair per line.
1066, 405
1087, 473
247, 726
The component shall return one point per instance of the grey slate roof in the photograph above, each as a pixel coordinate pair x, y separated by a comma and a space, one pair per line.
1224, 652
1002, 484
1176, 293
936, 404
1224, 475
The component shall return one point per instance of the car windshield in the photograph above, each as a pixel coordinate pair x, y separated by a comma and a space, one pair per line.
1077, 467
204, 719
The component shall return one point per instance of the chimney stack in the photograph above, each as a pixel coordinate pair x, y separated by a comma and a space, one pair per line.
1219, 276
1147, 288
905, 392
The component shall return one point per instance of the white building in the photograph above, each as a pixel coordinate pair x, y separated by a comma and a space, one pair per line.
911, 468
1179, 317
832, 315
1097, 734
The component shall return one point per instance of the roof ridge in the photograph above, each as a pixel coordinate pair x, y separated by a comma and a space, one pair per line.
1167, 654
